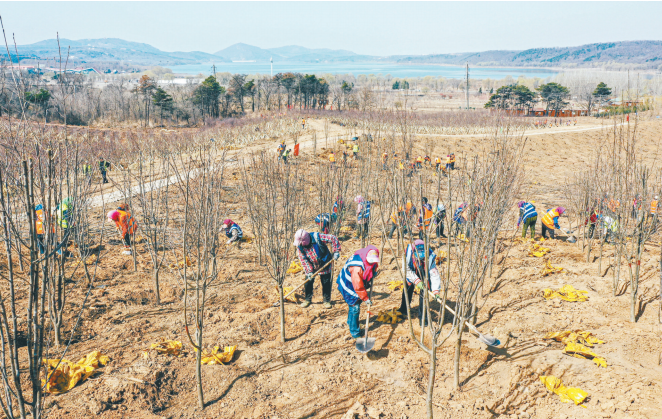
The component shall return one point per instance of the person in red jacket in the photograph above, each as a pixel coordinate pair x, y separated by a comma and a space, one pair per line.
126, 225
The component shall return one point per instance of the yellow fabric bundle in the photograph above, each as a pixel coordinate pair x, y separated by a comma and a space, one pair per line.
567, 293
295, 267
391, 316
218, 358
68, 374
567, 394
548, 269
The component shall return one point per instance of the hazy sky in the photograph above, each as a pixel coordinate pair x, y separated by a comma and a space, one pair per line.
376, 28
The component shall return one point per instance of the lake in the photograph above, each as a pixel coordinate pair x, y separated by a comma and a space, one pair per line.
395, 70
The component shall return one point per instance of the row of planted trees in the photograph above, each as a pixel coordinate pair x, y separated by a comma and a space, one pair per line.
178, 185
613, 200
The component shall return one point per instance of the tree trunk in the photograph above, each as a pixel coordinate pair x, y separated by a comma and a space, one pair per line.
198, 370
431, 378
282, 313
456, 359
156, 286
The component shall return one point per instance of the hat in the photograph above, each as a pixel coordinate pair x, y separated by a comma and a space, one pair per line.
520, 204
358, 199
227, 223
441, 207
372, 256
657, 197
114, 215
301, 238
560, 210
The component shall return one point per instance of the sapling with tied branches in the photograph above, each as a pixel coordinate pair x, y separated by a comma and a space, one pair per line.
279, 191
200, 180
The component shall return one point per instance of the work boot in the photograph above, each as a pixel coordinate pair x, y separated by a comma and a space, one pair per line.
305, 304
326, 305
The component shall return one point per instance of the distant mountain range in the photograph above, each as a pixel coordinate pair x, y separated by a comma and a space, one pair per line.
110, 51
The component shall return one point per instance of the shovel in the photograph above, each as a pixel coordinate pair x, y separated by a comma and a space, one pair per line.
366, 344
488, 340
276, 304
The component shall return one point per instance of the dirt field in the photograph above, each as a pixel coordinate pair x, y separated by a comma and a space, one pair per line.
318, 373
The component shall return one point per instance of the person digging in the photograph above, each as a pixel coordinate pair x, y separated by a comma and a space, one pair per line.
126, 226
313, 252
232, 231
415, 272
354, 280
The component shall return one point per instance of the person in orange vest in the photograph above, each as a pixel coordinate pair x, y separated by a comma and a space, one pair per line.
654, 204
384, 160
126, 225
419, 162
332, 158
39, 227
550, 221
425, 218
303, 123
437, 164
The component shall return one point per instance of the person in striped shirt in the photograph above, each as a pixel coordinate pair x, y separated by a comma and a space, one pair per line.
528, 216
353, 282
313, 252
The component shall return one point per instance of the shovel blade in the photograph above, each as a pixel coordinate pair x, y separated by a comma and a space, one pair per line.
364, 345
489, 340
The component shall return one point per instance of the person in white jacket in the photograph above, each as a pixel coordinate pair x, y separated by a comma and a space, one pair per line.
415, 272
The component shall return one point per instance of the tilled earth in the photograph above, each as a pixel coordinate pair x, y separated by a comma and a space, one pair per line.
319, 373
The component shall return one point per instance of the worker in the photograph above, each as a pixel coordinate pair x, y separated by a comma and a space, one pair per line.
355, 150
654, 204
439, 217
39, 227
87, 172
437, 164
425, 218
419, 162
286, 154
528, 216
323, 221
448, 162
281, 149
401, 165
354, 279
338, 208
610, 226
397, 221
232, 231
384, 160
313, 252
415, 272
126, 225
550, 221
362, 216
303, 123
427, 160
332, 158
452, 161
460, 217
104, 166
594, 216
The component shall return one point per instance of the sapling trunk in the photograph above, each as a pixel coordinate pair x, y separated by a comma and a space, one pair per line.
156, 285
431, 378
456, 358
198, 370
282, 312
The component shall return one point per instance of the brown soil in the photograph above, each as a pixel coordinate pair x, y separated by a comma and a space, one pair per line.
318, 373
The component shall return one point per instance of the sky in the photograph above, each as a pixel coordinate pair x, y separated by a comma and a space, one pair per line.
374, 28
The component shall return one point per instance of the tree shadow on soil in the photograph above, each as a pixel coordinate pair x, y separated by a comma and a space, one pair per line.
341, 404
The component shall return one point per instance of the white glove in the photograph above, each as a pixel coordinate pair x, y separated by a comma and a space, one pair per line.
229, 241
336, 256
368, 302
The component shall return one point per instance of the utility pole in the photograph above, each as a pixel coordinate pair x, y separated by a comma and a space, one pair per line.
467, 85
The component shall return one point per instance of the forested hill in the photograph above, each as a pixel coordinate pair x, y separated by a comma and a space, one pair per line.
645, 54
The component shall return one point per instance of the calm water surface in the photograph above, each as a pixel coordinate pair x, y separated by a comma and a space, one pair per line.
395, 70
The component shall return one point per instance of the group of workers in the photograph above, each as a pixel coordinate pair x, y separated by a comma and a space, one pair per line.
318, 251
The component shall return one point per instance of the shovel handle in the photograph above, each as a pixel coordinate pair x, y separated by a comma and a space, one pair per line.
313, 276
